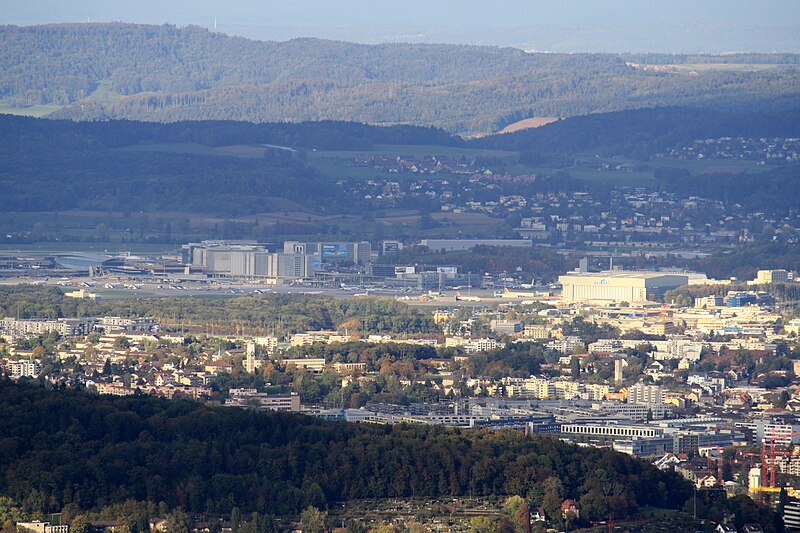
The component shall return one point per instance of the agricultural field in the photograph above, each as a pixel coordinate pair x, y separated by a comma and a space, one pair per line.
708, 67
29, 111
235, 150
340, 164
711, 166
527, 123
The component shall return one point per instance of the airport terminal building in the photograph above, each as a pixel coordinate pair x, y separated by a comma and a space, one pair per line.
250, 259
241, 259
618, 286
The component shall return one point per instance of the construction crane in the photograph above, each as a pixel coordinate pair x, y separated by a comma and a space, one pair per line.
769, 454
717, 464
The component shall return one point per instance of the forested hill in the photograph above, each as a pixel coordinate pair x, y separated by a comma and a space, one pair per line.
65, 447
61, 164
49, 164
16, 133
643, 132
164, 73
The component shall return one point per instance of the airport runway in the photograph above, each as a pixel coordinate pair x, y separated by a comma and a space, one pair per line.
113, 288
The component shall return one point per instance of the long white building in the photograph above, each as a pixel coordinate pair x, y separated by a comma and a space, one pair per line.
66, 327
618, 286
450, 245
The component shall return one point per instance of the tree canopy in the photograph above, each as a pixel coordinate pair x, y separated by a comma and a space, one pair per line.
65, 447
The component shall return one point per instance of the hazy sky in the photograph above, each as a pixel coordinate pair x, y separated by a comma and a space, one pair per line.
563, 25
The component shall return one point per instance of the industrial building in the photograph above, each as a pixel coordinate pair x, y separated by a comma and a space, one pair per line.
638, 447
765, 277
506, 327
243, 259
389, 247
618, 286
358, 253
611, 430
450, 245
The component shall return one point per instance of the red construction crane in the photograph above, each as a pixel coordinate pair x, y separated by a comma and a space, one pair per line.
768, 467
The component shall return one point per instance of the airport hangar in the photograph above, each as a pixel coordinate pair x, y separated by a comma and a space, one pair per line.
618, 286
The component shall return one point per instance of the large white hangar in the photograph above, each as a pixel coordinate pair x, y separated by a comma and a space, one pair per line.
618, 286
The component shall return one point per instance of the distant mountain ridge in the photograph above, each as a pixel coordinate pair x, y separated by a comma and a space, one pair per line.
166, 73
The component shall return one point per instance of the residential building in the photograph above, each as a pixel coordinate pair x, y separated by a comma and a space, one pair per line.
536, 332
250, 398
315, 366
41, 527
28, 327
641, 393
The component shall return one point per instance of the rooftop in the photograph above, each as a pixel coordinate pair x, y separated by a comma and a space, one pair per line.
624, 274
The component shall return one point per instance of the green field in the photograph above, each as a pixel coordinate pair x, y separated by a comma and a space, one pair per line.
336, 164
29, 111
427, 149
104, 93
710, 166
339, 164
738, 67
588, 168
197, 149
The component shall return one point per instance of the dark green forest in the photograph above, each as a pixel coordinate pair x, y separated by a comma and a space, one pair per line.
57, 165
18, 132
775, 192
126, 182
642, 133
746, 260
165, 73
63, 447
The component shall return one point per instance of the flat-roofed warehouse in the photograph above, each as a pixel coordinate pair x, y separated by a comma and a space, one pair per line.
618, 286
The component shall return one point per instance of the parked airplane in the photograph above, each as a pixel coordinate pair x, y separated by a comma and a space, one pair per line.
515, 294
460, 298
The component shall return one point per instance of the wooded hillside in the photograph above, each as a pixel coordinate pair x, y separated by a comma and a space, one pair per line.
65, 447
165, 73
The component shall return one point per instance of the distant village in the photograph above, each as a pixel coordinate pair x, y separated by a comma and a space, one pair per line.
631, 216
761, 150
